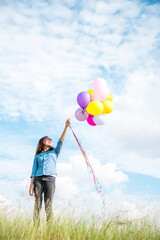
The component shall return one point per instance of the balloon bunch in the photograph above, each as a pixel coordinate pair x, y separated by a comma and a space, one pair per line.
95, 103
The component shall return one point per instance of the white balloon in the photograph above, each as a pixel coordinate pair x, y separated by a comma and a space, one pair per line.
99, 119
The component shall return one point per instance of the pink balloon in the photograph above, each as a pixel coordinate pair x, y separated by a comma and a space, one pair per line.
81, 115
100, 89
90, 120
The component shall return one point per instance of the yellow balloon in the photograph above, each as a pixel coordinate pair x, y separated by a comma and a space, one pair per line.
95, 107
110, 97
107, 106
91, 92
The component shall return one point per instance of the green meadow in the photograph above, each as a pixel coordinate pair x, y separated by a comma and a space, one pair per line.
66, 227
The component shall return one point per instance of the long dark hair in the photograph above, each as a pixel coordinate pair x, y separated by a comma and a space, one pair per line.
40, 146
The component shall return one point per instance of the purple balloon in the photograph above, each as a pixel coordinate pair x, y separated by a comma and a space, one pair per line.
81, 115
83, 99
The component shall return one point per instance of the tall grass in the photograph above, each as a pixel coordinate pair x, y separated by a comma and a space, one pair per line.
66, 227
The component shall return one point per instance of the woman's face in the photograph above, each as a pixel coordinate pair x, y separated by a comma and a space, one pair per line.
47, 141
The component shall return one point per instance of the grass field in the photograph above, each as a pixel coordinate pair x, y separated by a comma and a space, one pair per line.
66, 227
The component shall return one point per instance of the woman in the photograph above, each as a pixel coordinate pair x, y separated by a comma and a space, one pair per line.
44, 174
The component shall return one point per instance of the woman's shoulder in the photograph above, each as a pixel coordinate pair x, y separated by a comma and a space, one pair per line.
40, 154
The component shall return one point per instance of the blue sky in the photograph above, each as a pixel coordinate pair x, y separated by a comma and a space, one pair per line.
52, 50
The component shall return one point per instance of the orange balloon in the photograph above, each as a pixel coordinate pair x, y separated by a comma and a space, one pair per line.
110, 97
108, 106
91, 92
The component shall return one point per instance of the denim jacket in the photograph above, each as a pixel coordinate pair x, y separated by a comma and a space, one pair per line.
45, 162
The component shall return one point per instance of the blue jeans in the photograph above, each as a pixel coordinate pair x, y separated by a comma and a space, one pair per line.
43, 184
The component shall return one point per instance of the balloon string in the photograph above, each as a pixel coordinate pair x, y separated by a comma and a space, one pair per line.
96, 182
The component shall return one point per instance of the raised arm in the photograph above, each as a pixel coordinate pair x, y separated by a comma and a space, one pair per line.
68, 122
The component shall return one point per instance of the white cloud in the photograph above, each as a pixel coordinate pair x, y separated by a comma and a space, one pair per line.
76, 169
129, 211
66, 187
11, 190
4, 203
136, 123
41, 56
7, 208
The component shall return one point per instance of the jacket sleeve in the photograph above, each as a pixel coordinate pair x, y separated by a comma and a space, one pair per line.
34, 168
58, 147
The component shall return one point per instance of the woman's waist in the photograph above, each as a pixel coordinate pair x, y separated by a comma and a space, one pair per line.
45, 177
